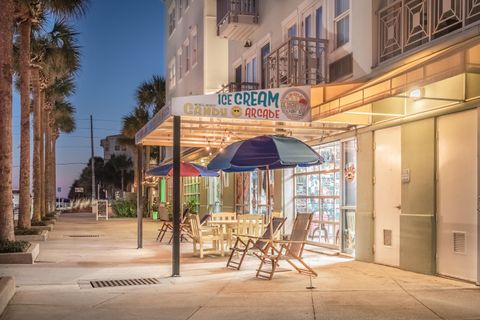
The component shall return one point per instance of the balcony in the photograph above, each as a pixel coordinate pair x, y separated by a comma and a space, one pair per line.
408, 24
236, 19
239, 86
299, 61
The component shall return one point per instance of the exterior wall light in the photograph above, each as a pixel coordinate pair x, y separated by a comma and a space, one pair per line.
417, 93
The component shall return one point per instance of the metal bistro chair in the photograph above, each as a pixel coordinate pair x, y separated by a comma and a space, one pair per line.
241, 246
289, 250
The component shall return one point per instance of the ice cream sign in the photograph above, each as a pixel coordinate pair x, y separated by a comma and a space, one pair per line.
284, 104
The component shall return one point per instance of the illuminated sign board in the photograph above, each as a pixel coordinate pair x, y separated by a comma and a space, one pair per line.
284, 104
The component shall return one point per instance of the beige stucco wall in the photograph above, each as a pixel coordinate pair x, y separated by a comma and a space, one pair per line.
364, 226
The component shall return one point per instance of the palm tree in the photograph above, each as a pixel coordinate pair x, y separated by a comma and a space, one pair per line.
30, 13
55, 55
59, 118
133, 122
121, 164
63, 121
151, 94
6, 70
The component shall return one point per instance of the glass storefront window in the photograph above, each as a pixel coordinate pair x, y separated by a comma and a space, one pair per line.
317, 191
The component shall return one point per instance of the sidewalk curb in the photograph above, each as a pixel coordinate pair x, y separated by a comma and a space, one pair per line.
7, 291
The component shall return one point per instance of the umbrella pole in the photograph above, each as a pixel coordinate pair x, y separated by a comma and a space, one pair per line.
269, 214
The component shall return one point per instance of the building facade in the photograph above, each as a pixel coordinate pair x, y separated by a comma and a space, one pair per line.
113, 147
400, 186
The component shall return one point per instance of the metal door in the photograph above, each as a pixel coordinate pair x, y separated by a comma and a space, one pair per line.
457, 173
387, 195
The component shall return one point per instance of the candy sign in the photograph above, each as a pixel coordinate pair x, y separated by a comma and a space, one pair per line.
284, 104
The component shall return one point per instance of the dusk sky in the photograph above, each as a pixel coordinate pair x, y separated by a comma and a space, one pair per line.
123, 44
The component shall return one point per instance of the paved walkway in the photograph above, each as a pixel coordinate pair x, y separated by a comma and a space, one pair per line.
56, 287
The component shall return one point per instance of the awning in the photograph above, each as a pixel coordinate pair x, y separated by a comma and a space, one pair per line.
216, 120
444, 77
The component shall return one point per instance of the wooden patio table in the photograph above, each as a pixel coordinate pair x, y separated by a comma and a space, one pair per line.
228, 226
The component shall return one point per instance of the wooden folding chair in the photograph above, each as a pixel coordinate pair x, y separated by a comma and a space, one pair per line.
289, 250
242, 246
168, 226
202, 234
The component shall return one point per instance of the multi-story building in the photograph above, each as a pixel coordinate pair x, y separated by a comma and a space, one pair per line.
399, 185
196, 57
112, 146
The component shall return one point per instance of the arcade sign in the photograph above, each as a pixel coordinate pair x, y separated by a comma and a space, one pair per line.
283, 104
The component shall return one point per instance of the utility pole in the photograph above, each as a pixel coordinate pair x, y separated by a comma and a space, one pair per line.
93, 159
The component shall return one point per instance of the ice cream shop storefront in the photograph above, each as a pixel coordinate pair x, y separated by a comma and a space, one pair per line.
211, 122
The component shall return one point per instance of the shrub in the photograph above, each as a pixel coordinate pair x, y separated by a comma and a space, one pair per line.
27, 232
39, 223
13, 246
125, 208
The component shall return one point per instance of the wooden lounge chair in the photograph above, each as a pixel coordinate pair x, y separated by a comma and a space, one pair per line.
168, 225
288, 250
241, 246
202, 234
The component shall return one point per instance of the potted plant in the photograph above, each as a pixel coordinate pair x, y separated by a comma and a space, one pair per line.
155, 210
192, 206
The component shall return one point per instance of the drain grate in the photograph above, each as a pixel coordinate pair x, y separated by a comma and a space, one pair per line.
83, 235
123, 282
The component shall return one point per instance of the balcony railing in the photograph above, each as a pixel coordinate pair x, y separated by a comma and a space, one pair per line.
407, 24
239, 86
299, 61
236, 19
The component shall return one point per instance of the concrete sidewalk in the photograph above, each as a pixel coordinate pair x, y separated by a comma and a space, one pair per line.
56, 286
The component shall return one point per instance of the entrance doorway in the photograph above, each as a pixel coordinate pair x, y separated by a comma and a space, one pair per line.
387, 196
457, 194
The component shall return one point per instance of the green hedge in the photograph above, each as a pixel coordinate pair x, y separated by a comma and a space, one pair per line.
13, 246
125, 208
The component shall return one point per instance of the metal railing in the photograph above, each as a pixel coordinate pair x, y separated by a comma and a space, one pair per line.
229, 10
407, 24
239, 86
298, 61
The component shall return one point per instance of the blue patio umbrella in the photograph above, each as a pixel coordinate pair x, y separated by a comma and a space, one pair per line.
265, 152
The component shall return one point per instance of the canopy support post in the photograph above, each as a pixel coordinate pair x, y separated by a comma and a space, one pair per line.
139, 196
176, 198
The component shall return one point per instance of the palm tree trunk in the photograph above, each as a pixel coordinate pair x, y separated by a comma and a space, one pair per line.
37, 136
122, 181
6, 69
54, 170
42, 154
47, 187
24, 183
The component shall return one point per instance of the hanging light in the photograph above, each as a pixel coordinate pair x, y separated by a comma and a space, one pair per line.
207, 148
221, 149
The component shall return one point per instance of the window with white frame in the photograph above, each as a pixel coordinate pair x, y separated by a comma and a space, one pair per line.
171, 73
194, 46
171, 20
180, 63
342, 22
186, 50
251, 70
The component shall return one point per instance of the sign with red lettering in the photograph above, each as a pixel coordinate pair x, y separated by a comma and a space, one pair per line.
283, 104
